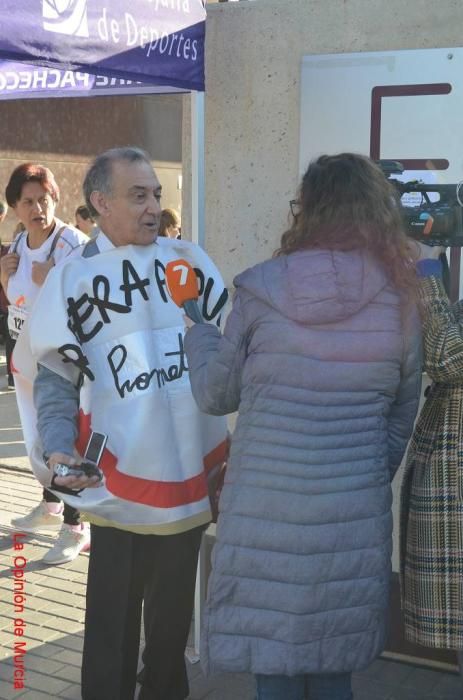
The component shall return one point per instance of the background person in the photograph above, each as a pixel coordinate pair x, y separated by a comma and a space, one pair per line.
321, 358
3, 210
84, 221
43, 241
170, 224
432, 489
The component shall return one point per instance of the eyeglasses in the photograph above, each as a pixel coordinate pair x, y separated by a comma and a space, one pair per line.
295, 207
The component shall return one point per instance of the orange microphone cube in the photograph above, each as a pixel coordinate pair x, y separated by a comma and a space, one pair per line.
181, 282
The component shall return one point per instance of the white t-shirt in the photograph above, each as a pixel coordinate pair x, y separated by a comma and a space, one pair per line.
21, 290
22, 293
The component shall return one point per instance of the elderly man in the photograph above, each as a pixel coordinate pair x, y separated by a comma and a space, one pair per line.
111, 361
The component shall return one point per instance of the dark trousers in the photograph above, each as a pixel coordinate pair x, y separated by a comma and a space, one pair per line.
328, 686
125, 569
9, 347
460, 662
71, 516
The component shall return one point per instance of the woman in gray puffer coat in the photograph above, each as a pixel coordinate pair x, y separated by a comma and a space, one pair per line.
321, 357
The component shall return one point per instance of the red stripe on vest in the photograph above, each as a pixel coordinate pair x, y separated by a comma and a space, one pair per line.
158, 494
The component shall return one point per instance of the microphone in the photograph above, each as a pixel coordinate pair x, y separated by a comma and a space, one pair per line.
182, 285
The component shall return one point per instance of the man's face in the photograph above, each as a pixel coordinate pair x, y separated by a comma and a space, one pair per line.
131, 213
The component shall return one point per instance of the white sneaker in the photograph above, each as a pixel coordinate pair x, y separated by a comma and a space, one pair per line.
68, 545
38, 519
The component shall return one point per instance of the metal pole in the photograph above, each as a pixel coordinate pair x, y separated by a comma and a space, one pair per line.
197, 169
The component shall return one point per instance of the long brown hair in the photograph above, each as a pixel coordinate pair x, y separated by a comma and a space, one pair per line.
345, 202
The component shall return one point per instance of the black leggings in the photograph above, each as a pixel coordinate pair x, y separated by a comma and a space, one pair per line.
9, 347
71, 515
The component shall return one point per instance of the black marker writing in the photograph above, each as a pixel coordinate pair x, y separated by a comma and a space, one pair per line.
102, 303
118, 356
128, 271
73, 353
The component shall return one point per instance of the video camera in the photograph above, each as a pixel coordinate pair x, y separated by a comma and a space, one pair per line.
431, 222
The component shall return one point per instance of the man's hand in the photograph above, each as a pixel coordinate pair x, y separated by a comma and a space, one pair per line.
188, 322
8, 266
40, 271
71, 482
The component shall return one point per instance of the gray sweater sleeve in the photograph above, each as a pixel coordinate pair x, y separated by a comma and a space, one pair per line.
57, 403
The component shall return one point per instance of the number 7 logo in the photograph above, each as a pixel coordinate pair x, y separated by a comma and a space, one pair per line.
184, 270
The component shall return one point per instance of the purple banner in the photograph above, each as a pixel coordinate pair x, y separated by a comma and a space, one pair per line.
159, 42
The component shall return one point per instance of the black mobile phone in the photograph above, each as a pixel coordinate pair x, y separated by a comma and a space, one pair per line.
92, 456
95, 447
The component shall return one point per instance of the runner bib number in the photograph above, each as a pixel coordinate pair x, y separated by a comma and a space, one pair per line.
16, 317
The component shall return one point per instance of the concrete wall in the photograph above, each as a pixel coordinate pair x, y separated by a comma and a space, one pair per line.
253, 57
65, 134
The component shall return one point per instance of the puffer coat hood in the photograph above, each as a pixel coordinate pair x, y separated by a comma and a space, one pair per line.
316, 286
322, 361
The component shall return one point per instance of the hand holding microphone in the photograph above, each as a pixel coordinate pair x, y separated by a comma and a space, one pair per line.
182, 285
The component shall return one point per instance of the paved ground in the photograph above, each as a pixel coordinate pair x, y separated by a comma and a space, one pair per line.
54, 610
